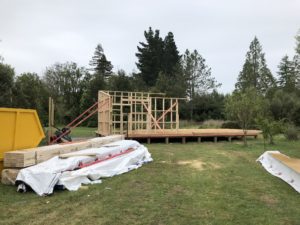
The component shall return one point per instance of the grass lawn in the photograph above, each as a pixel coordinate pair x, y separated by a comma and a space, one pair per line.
194, 183
84, 132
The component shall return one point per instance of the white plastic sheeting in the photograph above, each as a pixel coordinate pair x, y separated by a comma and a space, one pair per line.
279, 169
113, 159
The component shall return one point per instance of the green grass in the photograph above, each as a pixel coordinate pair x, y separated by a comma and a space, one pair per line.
84, 132
194, 183
80, 132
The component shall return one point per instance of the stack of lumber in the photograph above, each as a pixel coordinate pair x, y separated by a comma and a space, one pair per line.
100, 141
28, 157
21, 158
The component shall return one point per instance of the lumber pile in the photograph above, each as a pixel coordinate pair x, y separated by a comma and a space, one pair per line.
19, 159
16, 160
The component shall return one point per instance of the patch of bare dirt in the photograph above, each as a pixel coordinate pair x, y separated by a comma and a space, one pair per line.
196, 164
269, 200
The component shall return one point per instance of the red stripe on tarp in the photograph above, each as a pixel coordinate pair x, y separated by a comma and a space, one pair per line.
82, 165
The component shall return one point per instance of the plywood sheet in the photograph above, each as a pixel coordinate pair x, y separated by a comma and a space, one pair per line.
292, 163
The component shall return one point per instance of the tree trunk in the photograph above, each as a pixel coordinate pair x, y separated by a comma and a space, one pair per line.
245, 138
272, 140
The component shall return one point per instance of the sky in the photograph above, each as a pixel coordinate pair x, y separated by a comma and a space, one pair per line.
36, 34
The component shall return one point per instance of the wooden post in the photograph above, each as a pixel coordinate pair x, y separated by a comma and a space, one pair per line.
215, 139
50, 119
167, 140
163, 109
183, 140
177, 115
199, 139
148, 140
229, 139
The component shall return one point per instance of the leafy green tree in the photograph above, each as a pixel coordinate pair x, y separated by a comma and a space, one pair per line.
150, 57
269, 128
198, 77
7, 75
285, 106
120, 82
288, 78
255, 72
31, 93
244, 107
174, 85
65, 83
138, 83
209, 106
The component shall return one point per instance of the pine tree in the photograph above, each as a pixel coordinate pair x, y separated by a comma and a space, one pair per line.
171, 55
298, 43
150, 57
198, 77
100, 64
288, 77
255, 72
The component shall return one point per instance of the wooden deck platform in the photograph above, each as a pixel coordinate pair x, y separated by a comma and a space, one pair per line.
197, 134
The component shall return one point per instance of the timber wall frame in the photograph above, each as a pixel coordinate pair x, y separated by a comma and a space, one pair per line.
126, 112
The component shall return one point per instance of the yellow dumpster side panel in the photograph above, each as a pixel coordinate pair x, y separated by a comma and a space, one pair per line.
19, 129
7, 129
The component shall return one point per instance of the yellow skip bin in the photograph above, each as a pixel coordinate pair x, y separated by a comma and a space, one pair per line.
19, 129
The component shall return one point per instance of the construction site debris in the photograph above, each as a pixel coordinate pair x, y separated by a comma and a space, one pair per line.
82, 168
282, 166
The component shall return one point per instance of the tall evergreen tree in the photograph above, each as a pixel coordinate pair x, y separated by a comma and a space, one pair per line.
298, 43
150, 57
100, 64
288, 77
97, 81
171, 56
255, 72
198, 77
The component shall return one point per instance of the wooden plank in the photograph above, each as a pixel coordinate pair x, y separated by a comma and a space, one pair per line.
167, 140
29, 157
199, 139
98, 142
8, 176
19, 159
215, 139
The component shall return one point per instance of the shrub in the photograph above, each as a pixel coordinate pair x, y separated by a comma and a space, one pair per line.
231, 125
212, 124
291, 133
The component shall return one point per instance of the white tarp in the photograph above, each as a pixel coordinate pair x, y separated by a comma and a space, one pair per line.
279, 169
113, 159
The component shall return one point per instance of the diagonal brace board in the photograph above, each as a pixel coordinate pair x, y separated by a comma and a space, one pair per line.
149, 112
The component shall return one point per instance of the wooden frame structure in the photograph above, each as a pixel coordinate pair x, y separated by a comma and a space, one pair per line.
127, 112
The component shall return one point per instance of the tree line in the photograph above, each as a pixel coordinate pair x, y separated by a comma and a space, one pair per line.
161, 68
